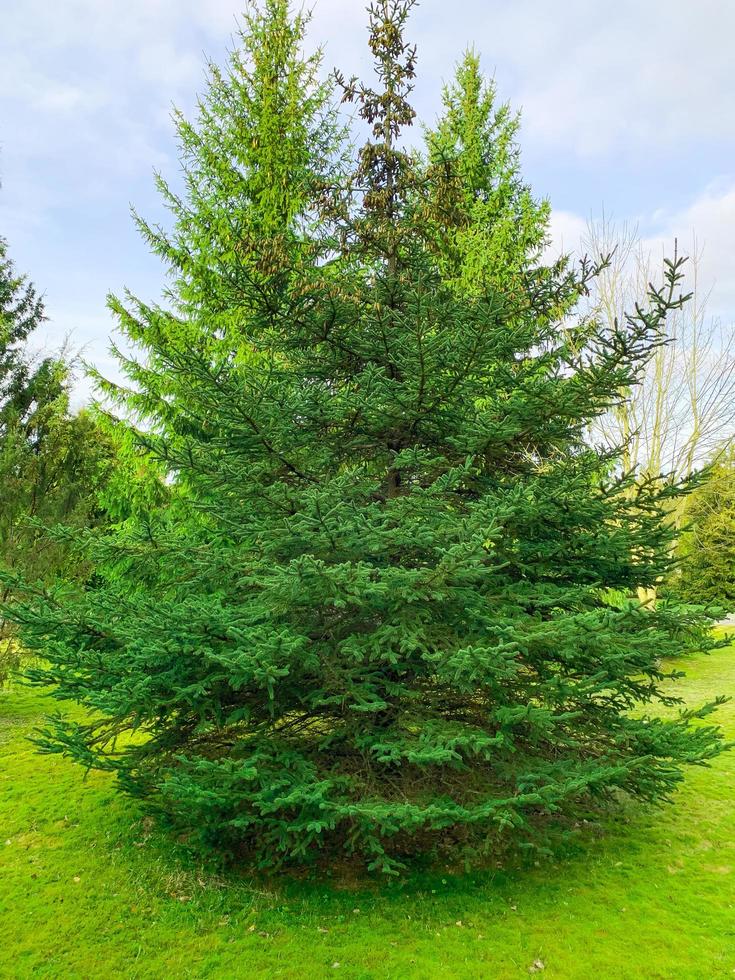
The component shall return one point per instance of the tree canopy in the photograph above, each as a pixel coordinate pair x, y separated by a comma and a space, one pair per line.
706, 548
378, 616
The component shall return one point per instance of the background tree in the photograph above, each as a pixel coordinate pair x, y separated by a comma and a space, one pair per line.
484, 222
683, 409
706, 548
52, 461
21, 312
375, 618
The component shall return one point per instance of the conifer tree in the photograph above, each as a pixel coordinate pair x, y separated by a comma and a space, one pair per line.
21, 312
706, 549
487, 224
377, 617
52, 460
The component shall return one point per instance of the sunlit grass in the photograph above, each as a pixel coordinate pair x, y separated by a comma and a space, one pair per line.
85, 892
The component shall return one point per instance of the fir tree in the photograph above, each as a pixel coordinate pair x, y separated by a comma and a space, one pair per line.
706, 549
487, 224
377, 617
21, 312
52, 461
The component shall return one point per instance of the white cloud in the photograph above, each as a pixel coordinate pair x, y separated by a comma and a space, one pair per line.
165, 65
600, 76
606, 77
566, 231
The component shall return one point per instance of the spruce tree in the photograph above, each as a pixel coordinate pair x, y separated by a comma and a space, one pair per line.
21, 313
487, 225
376, 616
52, 461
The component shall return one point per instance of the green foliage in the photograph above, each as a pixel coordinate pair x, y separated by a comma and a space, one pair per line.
52, 462
375, 615
639, 894
706, 549
487, 227
52, 469
21, 312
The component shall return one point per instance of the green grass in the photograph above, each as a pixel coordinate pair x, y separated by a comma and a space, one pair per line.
85, 892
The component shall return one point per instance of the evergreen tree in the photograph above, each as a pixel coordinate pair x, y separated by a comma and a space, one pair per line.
52, 461
21, 312
706, 550
376, 616
487, 225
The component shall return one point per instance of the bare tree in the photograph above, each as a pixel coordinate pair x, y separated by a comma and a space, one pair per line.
683, 411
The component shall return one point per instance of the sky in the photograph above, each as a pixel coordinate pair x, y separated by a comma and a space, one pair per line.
628, 110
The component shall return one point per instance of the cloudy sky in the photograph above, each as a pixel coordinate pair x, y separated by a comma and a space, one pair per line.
627, 107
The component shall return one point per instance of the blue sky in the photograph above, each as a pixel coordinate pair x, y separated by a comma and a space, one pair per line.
627, 107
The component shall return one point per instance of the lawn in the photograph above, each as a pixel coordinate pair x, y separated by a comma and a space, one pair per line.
85, 892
